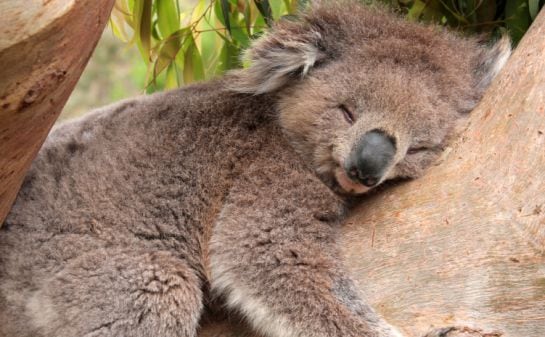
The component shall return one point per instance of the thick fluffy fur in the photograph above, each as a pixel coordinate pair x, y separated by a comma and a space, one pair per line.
129, 215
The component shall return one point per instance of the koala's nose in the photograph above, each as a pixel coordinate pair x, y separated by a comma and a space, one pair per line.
370, 157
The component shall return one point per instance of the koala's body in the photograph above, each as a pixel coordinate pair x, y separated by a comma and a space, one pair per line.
130, 215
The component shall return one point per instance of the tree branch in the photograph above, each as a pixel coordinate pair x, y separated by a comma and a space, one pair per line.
44, 47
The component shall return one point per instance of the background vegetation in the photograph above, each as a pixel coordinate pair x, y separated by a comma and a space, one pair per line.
162, 44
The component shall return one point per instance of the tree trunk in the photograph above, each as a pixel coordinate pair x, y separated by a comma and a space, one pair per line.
44, 46
465, 245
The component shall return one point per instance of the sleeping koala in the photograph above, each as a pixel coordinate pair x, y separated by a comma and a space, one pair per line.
130, 215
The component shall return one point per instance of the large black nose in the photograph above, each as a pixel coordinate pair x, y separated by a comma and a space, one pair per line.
370, 157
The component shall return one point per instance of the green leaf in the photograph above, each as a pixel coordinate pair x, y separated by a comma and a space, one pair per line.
205, 49
259, 26
248, 17
168, 50
193, 67
171, 79
265, 9
168, 17
199, 11
533, 8
277, 9
416, 10
225, 11
128, 8
288, 6
517, 18
211, 42
229, 56
120, 17
142, 14
241, 37
436, 9
155, 31
218, 11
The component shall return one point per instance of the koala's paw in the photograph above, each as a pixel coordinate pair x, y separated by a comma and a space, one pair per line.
461, 331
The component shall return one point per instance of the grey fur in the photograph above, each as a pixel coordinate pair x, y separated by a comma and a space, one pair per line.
129, 215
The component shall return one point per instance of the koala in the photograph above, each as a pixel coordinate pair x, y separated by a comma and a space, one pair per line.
135, 216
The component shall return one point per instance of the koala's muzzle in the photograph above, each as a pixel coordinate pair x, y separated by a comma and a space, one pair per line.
370, 158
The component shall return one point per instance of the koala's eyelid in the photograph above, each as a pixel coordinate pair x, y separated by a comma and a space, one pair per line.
418, 149
413, 150
348, 115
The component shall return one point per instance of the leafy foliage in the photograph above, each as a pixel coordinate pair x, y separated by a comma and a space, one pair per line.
182, 46
476, 16
203, 39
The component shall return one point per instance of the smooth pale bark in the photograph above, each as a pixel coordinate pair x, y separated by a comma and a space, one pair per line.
44, 46
464, 245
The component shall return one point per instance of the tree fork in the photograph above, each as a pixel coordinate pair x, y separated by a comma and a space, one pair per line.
44, 47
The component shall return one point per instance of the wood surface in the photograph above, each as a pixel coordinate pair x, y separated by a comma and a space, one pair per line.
44, 46
463, 246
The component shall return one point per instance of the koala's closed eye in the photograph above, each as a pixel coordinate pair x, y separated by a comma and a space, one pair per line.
423, 149
419, 149
348, 115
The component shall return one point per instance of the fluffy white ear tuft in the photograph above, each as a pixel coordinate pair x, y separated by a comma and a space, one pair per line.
492, 61
289, 50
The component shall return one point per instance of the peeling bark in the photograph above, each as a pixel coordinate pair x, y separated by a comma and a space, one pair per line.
44, 47
463, 246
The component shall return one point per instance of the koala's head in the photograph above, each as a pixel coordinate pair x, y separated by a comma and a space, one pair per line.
365, 96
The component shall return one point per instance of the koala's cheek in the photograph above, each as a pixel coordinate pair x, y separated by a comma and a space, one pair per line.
340, 151
393, 174
405, 169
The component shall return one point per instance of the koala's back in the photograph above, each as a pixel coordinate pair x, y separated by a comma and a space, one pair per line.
146, 174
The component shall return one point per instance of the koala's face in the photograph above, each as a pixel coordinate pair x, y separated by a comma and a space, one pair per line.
365, 97
359, 126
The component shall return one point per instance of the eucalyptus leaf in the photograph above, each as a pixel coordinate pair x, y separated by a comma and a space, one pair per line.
416, 10
517, 18
265, 9
171, 79
142, 13
168, 49
168, 16
225, 13
193, 67
533, 8
186, 41
248, 17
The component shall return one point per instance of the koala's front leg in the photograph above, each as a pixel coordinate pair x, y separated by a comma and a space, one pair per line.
273, 257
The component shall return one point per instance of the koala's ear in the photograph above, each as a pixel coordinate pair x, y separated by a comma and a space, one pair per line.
286, 52
491, 61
